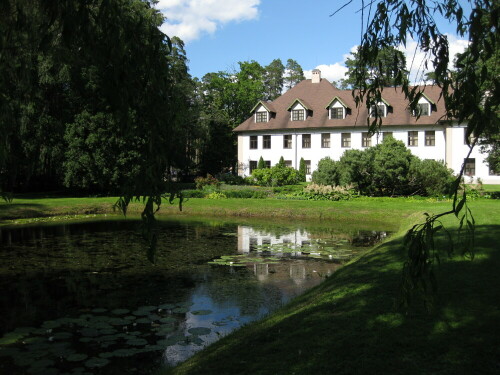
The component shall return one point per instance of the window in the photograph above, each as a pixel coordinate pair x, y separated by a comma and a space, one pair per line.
306, 140
346, 140
366, 139
470, 139
379, 108
325, 140
268, 163
287, 141
387, 135
470, 167
253, 142
430, 138
423, 109
308, 166
253, 165
288, 163
266, 141
298, 115
260, 116
413, 138
337, 113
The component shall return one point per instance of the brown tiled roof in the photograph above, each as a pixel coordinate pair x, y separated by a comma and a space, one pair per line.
319, 95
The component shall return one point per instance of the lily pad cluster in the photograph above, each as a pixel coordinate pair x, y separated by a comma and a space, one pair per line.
78, 345
241, 260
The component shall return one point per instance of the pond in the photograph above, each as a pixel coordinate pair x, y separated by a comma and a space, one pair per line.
81, 298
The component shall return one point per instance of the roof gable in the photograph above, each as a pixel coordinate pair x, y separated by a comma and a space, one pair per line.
267, 106
302, 102
336, 98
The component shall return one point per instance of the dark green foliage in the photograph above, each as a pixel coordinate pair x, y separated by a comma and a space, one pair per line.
302, 169
231, 179
209, 180
387, 169
273, 79
293, 73
327, 173
385, 69
281, 162
276, 176
261, 164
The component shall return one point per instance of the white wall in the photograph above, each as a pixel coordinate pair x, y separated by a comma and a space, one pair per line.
316, 153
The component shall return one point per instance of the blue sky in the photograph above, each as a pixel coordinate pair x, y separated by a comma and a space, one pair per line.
219, 33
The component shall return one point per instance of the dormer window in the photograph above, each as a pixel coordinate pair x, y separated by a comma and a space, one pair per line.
379, 110
423, 109
299, 110
261, 116
337, 109
298, 115
337, 113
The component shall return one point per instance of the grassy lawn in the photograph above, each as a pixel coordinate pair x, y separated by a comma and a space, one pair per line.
350, 324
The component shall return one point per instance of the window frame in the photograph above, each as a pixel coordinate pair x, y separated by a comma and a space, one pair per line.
430, 138
252, 165
266, 142
378, 107
387, 134
298, 114
467, 166
254, 142
336, 116
366, 140
345, 140
287, 141
261, 116
419, 110
412, 138
326, 141
306, 140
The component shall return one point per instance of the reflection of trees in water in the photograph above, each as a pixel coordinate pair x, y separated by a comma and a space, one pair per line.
243, 289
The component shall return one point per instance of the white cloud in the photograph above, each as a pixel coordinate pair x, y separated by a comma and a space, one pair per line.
332, 72
415, 57
189, 19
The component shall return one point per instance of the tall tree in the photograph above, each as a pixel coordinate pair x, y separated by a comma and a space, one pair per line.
274, 79
293, 73
385, 68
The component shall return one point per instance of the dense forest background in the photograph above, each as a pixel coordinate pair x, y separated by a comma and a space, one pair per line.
96, 98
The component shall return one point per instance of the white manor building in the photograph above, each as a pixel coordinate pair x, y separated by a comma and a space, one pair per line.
314, 120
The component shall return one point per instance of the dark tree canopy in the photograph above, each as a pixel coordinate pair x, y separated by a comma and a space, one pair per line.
388, 63
274, 79
293, 73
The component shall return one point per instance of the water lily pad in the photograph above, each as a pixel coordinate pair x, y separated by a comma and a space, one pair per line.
137, 342
11, 338
77, 357
154, 317
107, 331
180, 310
129, 318
199, 331
96, 362
141, 312
167, 306
162, 331
185, 304
106, 355
120, 311
99, 310
51, 324
89, 332
85, 340
62, 335
124, 352
168, 319
143, 321
194, 340
201, 312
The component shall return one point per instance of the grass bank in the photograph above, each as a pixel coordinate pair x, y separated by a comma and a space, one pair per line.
349, 324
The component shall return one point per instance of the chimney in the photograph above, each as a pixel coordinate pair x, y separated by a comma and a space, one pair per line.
316, 76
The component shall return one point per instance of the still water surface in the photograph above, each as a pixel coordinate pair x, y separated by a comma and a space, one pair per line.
81, 298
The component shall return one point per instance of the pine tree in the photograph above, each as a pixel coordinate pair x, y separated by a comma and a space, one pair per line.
261, 164
302, 169
294, 73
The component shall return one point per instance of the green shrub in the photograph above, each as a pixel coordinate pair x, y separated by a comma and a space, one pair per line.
193, 194
327, 192
302, 170
231, 179
387, 169
210, 180
216, 195
276, 176
261, 164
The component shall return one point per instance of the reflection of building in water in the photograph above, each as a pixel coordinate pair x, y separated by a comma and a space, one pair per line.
261, 270
249, 238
